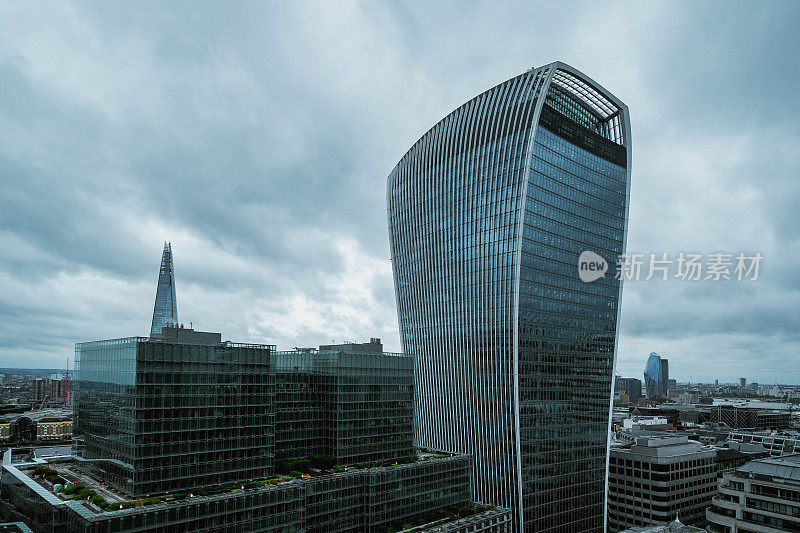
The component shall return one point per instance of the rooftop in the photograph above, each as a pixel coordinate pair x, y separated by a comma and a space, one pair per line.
51, 477
786, 467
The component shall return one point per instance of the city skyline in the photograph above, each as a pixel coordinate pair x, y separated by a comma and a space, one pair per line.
268, 177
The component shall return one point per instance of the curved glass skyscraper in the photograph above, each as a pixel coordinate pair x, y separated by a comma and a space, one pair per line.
488, 214
655, 383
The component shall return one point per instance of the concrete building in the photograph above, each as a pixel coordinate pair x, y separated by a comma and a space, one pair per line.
658, 478
762, 496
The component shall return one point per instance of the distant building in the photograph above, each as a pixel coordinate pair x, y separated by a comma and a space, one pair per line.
664, 376
671, 383
58, 388
742, 383
165, 309
762, 496
750, 417
631, 386
374, 346
776, 444
659, 478
39, 389
654, 381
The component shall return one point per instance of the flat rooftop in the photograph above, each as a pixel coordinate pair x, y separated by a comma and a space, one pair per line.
66, 468
785, 467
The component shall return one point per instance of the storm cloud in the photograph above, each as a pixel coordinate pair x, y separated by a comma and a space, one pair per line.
257, 138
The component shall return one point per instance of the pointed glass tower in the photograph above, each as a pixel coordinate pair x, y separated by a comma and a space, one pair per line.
165, 310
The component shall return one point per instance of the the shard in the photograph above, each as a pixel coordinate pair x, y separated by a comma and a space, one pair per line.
165, 311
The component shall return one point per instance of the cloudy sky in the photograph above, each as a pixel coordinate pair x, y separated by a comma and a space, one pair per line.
257, 139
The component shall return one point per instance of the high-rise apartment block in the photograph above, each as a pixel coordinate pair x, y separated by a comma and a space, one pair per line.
489, 212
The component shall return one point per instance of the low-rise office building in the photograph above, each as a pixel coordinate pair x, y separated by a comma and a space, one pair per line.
182, 431
658, 478
432, 492
762, 496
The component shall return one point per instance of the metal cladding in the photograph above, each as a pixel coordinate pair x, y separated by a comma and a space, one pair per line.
488, 213
165, 310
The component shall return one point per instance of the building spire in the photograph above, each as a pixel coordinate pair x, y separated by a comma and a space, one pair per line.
165, 310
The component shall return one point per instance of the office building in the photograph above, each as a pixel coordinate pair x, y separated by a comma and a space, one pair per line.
632, 387
658, 478
351, 407
176, 411
488, 213
750, 417
654, 380
165, 309
775, 443
432, 492
742, 383
762, 496
182, 431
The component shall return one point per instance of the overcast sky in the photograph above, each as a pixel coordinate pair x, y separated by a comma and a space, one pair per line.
257, 138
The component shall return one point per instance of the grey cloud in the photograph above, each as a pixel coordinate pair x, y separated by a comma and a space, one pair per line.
258, 140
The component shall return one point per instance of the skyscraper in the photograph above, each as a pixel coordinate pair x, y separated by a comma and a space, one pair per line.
488, 213
664, 376
165, 310
654, 382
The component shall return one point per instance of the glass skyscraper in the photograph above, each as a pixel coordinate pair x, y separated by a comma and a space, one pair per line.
656, 374
165, 310
488, 213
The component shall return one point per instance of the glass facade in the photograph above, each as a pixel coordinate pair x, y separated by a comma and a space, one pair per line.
165, 310
354, 408
654, 382
488, 213
154, 416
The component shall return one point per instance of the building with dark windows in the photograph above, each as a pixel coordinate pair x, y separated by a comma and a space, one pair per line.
350, 407
488, 213
165, 310
184, 432
658, 478
632, 387
762, 496
654, 380
176, 411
